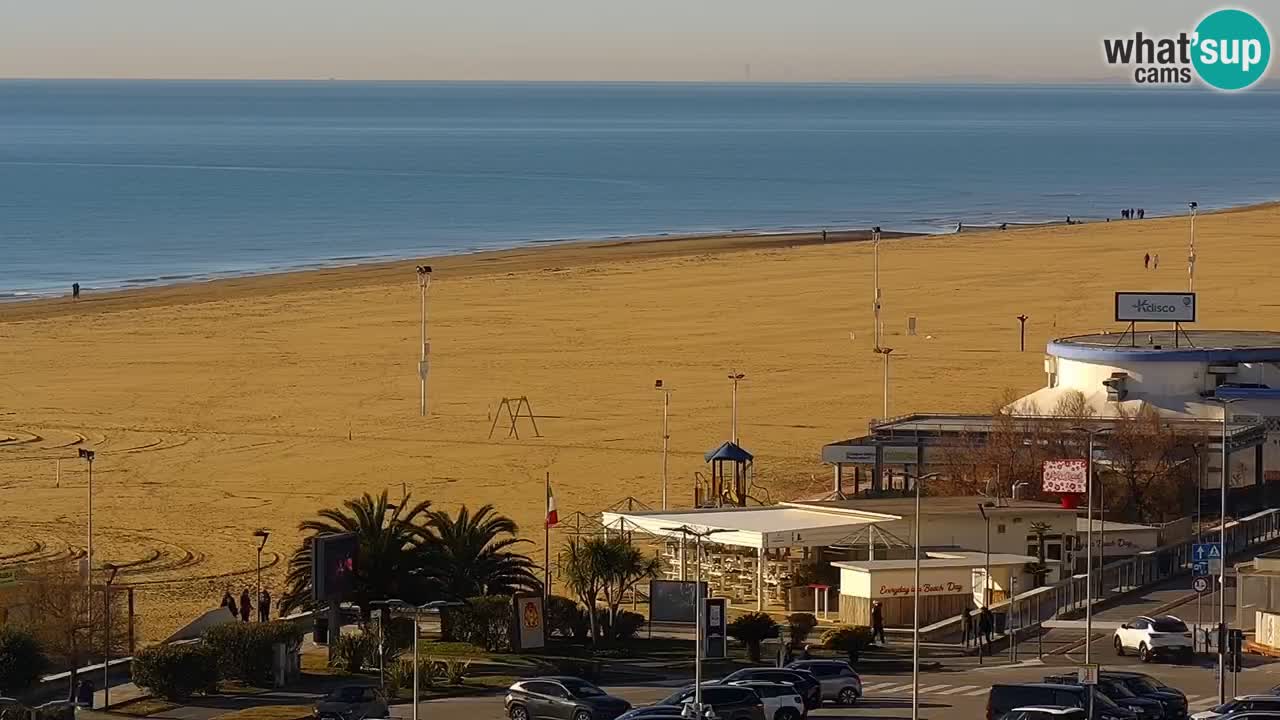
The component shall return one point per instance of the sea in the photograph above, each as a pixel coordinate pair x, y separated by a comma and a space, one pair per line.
118, 184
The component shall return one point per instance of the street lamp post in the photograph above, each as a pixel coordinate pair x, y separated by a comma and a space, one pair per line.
736, 377
698, 629
875, 250
416, 610
424, 285
884, 352
1088, 561
262, 535
666, 436
88, 456
915, 607
986, 574
1223, 479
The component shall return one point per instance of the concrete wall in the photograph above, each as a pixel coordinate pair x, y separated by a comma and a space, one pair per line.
1010, 530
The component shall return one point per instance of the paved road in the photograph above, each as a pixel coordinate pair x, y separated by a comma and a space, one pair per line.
951, 694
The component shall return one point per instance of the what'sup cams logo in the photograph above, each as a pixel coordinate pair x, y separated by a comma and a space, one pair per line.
1228, 50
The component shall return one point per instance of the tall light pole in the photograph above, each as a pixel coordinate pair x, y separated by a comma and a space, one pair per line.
736, 377
424, 284
88, 456
1224, 479
875, 303
1088, 557
403, 608
884, 352
106, 645
666, 436
1191, 248
698, 630
262, 536
915, 607
986, 573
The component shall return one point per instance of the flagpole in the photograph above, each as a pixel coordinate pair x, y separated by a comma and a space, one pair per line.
546, 541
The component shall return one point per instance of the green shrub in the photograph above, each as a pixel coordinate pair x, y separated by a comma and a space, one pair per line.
176, 672
799, 625
752, 629
244, 650
485, 621
399, 675
566, 619
353, 651
455, 670
626, 625
848, 639
22, 661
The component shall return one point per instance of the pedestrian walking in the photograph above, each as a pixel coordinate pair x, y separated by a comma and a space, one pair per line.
986, 625
1155, 262
244, 605
877, 622
75, 291
1146, 261
1142, 213
966, 626
264, 606
229, 602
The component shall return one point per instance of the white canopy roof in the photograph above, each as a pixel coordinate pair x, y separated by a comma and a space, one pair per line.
773, 526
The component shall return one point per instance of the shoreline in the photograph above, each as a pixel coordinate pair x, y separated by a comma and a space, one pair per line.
526, 256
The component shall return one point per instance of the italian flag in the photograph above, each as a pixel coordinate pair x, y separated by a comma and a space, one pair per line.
553, 518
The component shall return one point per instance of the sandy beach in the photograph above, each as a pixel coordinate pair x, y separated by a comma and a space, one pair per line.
223, 407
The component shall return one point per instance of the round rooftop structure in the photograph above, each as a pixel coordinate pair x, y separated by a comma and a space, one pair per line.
1224, 346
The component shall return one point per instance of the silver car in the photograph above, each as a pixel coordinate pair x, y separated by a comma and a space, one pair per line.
839, 681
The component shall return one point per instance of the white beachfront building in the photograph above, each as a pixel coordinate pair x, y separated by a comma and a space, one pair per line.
1182, 374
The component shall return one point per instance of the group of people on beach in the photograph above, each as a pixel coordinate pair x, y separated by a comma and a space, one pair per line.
246, 607
1133, 214
1150, 262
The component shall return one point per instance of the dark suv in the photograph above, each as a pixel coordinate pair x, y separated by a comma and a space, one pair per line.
1146, 708
803, 680
729, 702
1175, 701
1004, 698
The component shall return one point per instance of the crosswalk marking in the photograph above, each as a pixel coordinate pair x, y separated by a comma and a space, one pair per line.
1203, 702
897, 688
932, 688
955, 690
979, 691
878, 686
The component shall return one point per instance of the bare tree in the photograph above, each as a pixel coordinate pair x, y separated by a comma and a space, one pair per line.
1148, 466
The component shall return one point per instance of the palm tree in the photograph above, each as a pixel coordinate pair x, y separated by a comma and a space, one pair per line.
471, 555
390, 538
626, 567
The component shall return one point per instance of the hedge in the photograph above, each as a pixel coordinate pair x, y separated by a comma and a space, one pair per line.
176, 672
244, 650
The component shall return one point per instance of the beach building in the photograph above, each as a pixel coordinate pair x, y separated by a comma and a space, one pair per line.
1184, 375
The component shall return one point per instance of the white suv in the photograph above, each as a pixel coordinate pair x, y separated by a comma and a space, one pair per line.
781, 700
1153, 636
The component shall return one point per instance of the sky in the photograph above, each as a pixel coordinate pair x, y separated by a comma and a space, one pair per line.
690, 40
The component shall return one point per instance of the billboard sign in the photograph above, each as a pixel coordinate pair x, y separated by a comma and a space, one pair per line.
672, 601
716, 628
333, 565
1066, 476
1155, 307
854, 454
901, 455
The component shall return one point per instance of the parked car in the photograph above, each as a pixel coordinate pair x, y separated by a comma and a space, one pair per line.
1253, 715
1241, 704
1045, 712
805, 681
1151, 637
1005, 698
840, 683
352, 702
1175, 701
562, 698
782, 701
653, 712
728, 702
1149, 708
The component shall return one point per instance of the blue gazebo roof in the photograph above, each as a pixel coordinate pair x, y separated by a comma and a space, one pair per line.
728, 451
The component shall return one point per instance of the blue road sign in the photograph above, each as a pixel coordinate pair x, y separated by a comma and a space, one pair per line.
1206, 551
1200, 568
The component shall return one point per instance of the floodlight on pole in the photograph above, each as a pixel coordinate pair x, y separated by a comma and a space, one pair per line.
1224, 478
736, 377
875, 281
698, 631
106, 644
1088, 561
424, 285
915, 606
1191, 248
404, 608
666, 436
